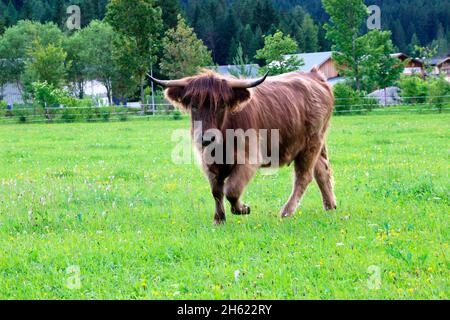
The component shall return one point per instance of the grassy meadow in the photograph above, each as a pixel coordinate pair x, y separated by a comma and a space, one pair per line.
99, 211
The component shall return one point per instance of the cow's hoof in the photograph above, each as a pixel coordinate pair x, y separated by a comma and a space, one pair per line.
287, 213
218, 222
329, 207
244, 210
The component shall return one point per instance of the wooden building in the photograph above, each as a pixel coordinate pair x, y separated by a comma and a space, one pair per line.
323, 61
414, 66
443, 67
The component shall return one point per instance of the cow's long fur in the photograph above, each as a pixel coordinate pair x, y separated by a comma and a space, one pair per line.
299, 105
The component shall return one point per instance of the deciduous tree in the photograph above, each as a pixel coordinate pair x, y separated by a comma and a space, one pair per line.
75, 46
381, 69
16, 42
45, 64
140, 22
346, 18
97, 41
276, 47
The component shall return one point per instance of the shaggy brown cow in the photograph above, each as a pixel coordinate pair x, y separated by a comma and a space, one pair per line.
299, 105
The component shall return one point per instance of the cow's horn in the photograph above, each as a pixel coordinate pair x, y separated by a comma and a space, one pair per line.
169, 83
247, 84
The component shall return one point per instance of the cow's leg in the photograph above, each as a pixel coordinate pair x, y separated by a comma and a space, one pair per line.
324, 177
235, 186
304, 172
217, 185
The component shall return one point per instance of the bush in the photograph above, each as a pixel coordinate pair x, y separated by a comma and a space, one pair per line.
413, 89
349, 101
122, 113
22, 115
47, 95
3, 110
177, 115
90, 113
439, 93
69, 111
68, 115
105, 113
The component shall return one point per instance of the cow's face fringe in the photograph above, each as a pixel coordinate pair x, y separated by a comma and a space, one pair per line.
208, 97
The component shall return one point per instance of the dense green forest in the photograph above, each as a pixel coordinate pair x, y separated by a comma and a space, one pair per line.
224, 24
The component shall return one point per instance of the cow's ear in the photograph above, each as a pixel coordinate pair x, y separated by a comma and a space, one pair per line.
240, 99
175, 95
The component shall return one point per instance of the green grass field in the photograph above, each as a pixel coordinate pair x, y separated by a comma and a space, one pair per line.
104, 201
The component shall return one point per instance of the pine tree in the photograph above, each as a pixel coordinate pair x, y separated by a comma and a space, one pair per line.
441, 42
27, 10
2, 25
257, 43
170, 10
227, 30
309, 33
411, 49
399, 35
10, 14
234, 47
183, 52
59, 13
265, 15
246, 40
241, 62
87, 13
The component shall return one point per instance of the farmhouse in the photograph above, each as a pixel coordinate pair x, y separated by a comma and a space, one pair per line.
444, 67
323, 61
440, 66
11, 93
414, 66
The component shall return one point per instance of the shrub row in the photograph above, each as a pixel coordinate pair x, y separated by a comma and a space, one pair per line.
431, 93
349, 101
87, 113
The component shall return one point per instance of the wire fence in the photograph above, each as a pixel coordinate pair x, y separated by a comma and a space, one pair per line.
399, 98
68, 114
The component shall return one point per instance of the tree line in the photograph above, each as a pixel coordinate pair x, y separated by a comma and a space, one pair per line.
223, 25
134, 39
173, 39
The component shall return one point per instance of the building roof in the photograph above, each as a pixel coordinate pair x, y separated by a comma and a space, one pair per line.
445, 60
337, 80
402, 56
399, 55
433, 61
251, 69
312, 59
